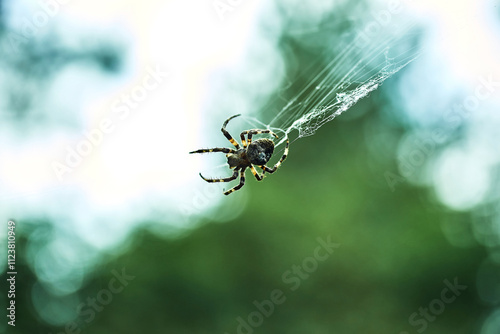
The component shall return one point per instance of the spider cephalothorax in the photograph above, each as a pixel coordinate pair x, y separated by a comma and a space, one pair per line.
253, 153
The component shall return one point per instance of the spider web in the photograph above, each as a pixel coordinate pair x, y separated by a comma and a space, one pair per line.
346, 69
358, 67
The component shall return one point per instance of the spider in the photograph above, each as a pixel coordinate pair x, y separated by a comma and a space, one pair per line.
253, 153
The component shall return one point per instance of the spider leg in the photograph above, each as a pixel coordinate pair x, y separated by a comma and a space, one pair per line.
251, 133
272, 170
256, 174
242, 182
217, 149
227, 135
243, 140
227, 179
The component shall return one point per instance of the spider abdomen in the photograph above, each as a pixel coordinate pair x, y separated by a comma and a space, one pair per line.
260, 151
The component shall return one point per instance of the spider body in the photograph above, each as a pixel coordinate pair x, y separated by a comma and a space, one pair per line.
257, 153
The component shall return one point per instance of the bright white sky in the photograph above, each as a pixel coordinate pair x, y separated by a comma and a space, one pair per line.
461, 53
146, 152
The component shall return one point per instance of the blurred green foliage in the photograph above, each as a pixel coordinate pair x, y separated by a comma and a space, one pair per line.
392, 259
